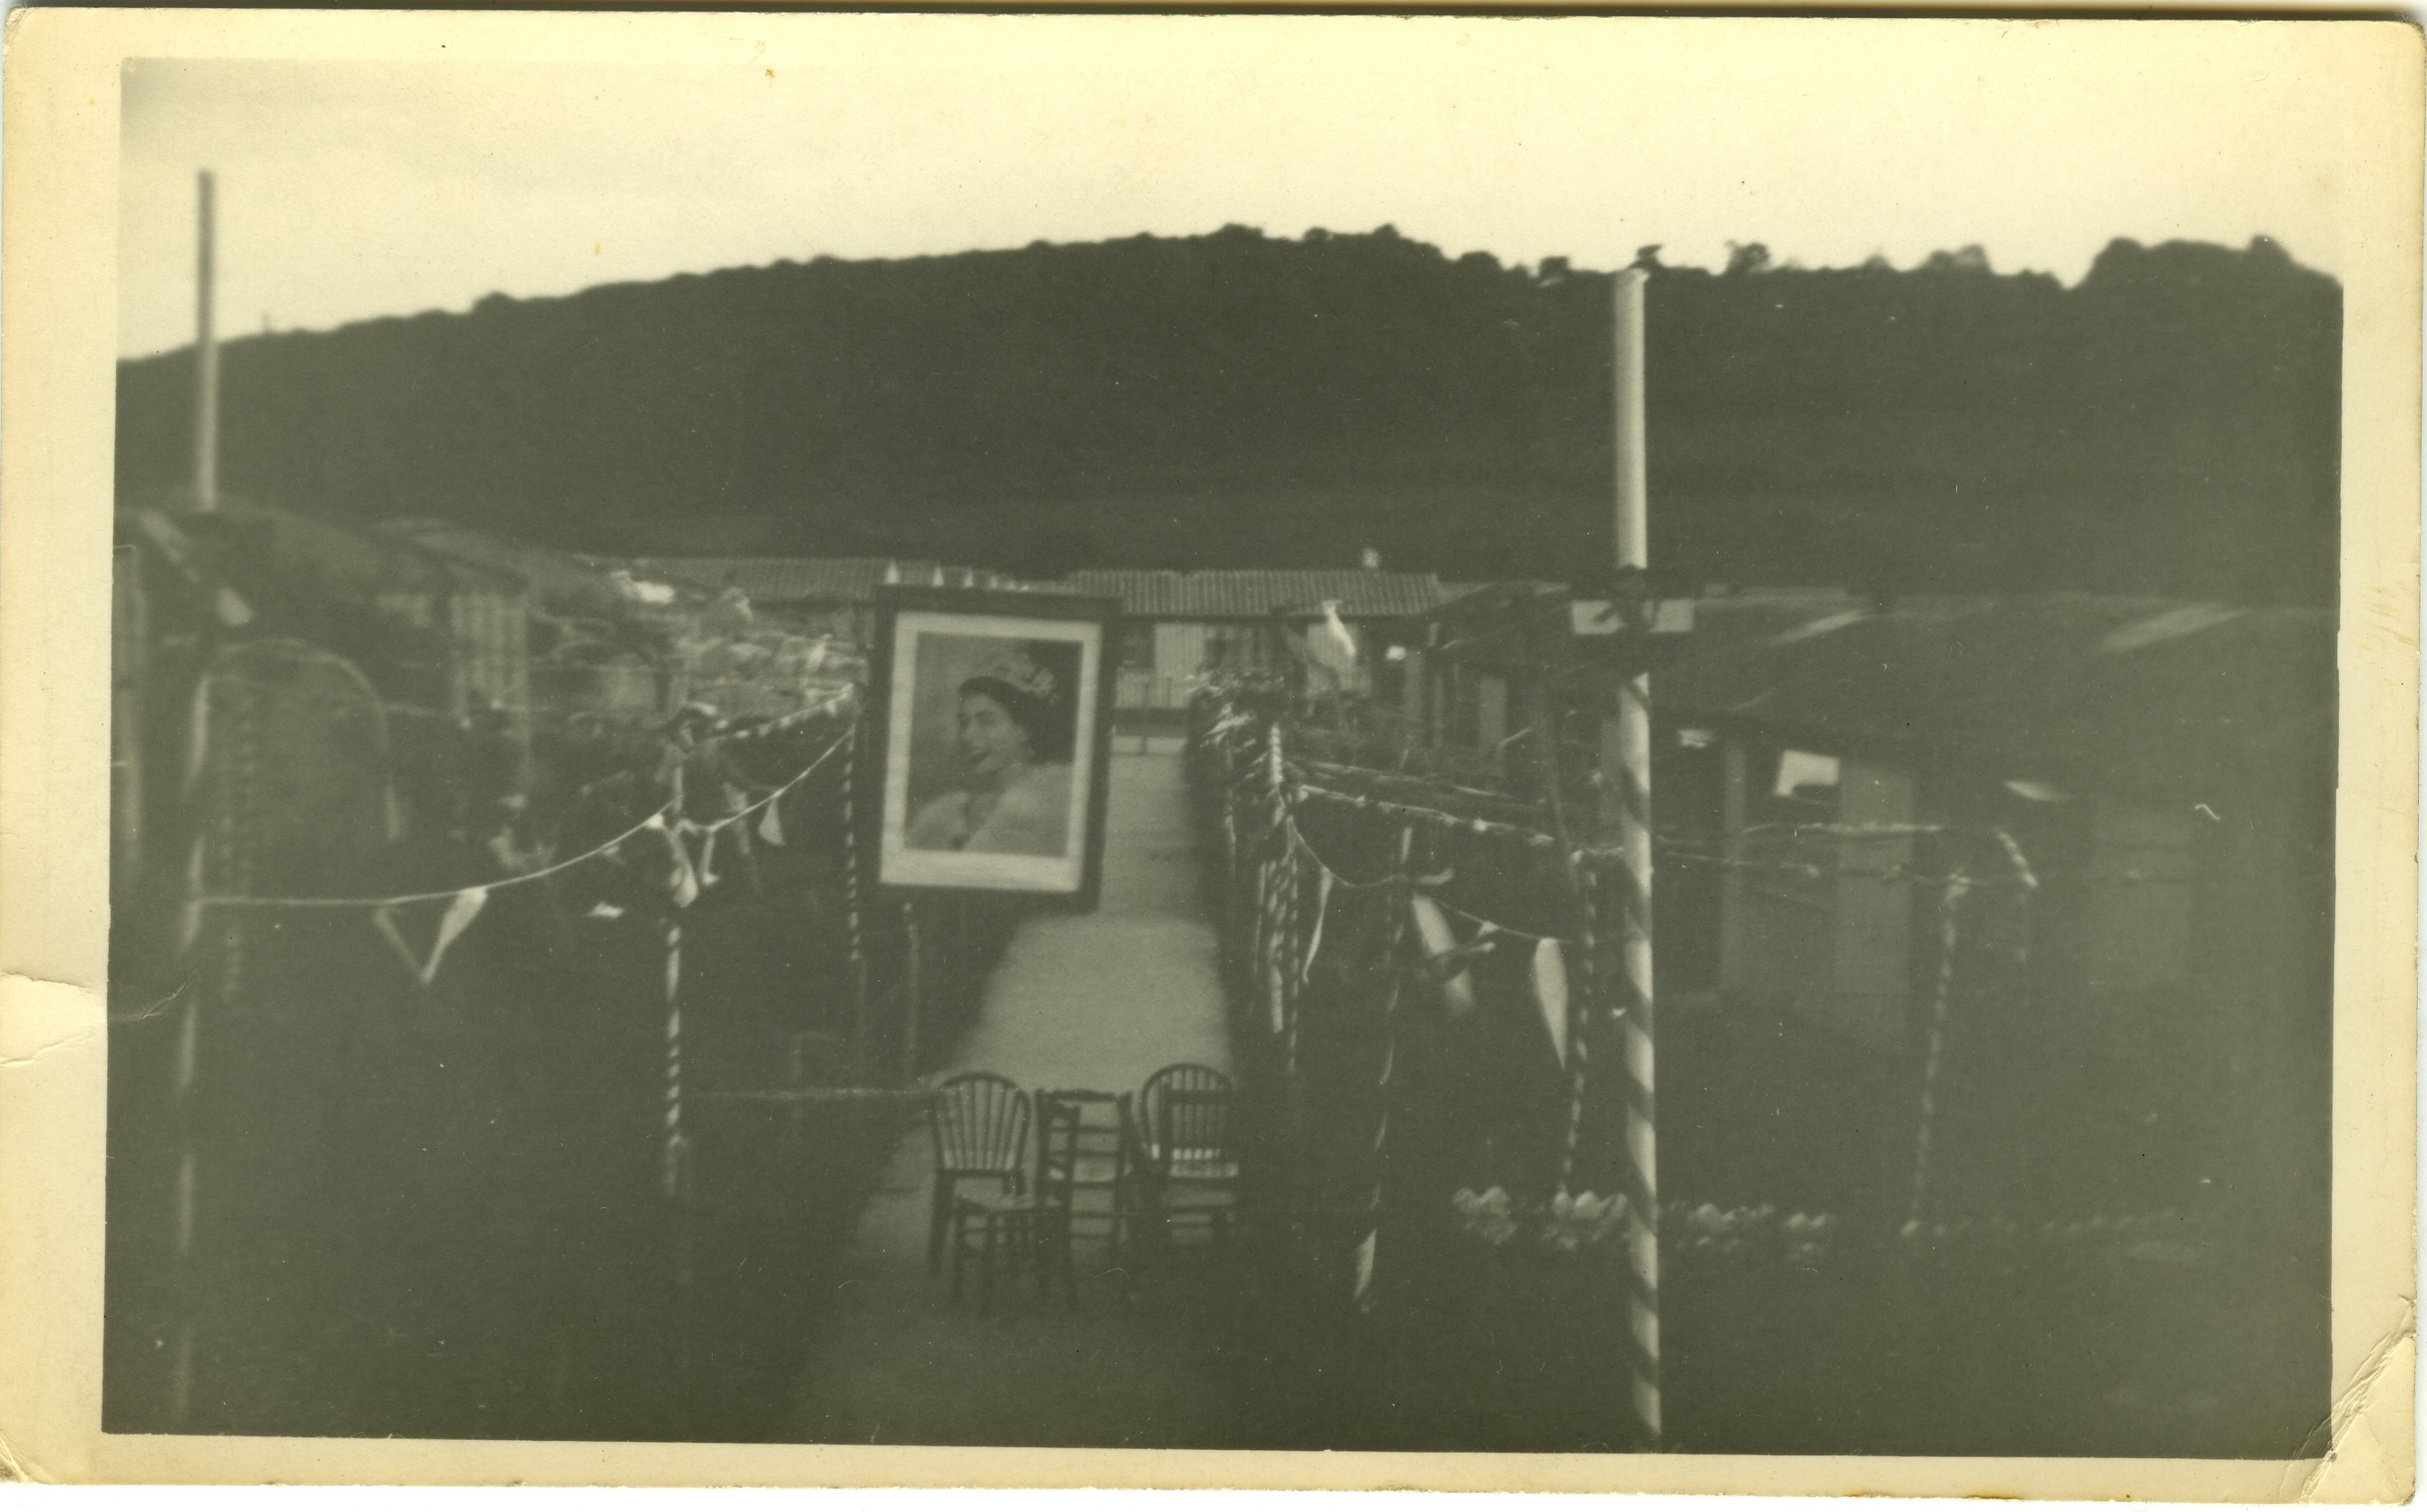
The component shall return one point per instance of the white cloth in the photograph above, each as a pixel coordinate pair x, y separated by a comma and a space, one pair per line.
1030, 817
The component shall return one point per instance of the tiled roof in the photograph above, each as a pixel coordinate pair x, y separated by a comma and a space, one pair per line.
1252, 593
791, 580
2148, 694
562, 581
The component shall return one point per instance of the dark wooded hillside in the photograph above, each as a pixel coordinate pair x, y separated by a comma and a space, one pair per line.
2168, 426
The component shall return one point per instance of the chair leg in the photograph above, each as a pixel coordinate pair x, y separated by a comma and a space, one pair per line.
1065, 1254
939, 1215
960, 1249
1040, 1251
993, 1227
1049, 1244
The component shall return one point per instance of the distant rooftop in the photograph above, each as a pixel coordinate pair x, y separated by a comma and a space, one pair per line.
795, 580
560, 579
2154, 693
1254, 593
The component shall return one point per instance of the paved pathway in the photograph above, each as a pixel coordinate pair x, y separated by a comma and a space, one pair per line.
1096, 1000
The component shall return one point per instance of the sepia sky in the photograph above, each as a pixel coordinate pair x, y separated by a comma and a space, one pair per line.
349, 189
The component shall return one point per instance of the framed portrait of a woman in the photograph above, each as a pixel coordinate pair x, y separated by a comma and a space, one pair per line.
993, 716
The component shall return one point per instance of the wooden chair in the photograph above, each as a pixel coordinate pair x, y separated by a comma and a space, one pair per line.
980, 1121
1089, 1152
1005, 1232
1007, 1229
1185, 1137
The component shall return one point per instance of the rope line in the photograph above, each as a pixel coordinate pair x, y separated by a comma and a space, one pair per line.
655, 819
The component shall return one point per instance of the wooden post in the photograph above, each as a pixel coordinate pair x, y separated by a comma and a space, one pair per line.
913, 992
1736, 763
676, 1145
1626, 788
129, 651
854, 942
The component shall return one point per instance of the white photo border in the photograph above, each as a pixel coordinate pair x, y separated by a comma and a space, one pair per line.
900, 866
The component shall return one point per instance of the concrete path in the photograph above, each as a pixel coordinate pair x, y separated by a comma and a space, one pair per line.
1096, 1001
1103, 1000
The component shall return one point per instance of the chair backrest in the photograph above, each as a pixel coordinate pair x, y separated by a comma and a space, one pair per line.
1082, 1137
981, 1122
1186, 1106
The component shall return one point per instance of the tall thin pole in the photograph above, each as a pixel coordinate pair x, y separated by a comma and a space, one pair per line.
1626, 767
1632, 544
206, 356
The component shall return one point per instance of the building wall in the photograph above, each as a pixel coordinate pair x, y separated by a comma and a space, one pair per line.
1823, 927
2138, 920
491, 651
2147, 1026
1183, 648
1417, 697
1778, 938
1179, 651
1490, 712
1872, 983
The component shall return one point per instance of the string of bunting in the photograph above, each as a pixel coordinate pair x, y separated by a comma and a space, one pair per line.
655, 819
687, 877
1566, 1221
1420, 933
2023, 877
725, 729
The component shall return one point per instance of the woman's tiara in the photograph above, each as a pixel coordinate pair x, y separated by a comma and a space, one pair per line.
1019, 672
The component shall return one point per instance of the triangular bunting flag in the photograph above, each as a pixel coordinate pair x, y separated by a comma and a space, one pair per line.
771, 827
1314, 936
681, 882
460, 910
1432, 927
1550, 993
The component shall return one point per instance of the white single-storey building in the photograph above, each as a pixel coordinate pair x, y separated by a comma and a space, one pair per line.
1177, 625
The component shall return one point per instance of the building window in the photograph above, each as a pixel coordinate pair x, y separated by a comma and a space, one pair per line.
1808, 782
1137, 648
1789, 790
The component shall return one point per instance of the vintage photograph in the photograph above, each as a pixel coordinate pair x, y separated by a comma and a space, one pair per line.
991, 751
1579, 738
